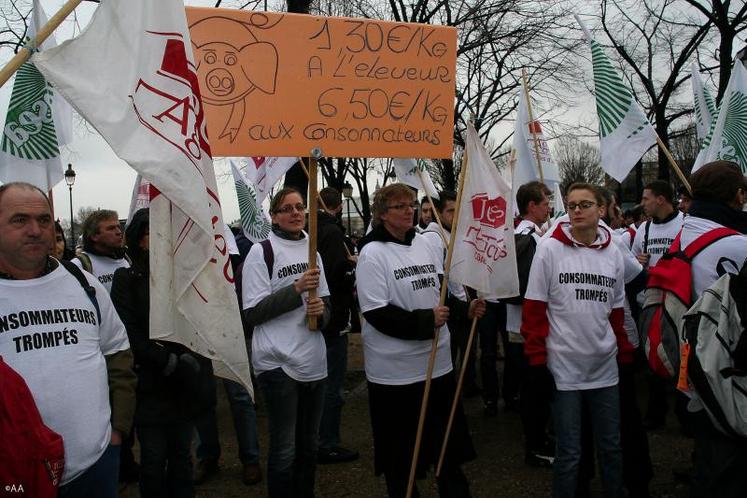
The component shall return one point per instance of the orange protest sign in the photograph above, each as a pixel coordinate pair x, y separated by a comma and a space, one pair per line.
277, 84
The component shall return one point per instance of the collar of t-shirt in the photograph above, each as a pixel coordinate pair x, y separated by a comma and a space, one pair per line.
49, 267
563, 234
666, 219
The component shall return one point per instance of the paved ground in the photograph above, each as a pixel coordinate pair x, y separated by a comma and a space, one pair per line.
499, 470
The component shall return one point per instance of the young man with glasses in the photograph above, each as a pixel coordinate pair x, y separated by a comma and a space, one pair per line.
573, 326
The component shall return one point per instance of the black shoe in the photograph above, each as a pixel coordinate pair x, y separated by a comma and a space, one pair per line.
470, 391
205, 469
539, 459
491, 408
129, 473
336, 455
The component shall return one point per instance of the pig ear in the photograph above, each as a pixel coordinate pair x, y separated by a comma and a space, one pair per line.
259, 63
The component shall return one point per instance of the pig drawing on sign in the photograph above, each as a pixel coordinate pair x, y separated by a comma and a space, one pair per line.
237, 65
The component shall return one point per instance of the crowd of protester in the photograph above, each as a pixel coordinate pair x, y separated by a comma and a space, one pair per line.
572, 342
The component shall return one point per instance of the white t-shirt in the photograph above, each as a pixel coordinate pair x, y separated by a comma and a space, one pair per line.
581, 287
660, 238
103, 268
513, 311
284, 341
406, 277
432, 234
49, 334
727, 255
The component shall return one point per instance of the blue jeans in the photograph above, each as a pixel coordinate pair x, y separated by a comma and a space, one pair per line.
604, 410
166, 460
337, 363
100, 480
294, 410
244, 423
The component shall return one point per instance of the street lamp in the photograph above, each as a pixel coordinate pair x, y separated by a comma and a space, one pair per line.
70, 180
347, 191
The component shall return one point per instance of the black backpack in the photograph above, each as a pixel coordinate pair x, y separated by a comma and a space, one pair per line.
526, 246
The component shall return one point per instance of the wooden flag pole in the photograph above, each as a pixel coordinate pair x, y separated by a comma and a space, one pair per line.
316, 153
434, 346
674, 165
25, 53
531, 127
457, 395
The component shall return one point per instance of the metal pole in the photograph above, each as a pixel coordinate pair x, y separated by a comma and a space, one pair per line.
72, 222
349, 231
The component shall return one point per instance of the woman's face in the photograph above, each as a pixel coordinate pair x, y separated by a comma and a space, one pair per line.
397, 218
290, 214
59, 245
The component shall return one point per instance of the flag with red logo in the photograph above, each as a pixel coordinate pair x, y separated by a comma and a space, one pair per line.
131, 74
265, 172
484, 257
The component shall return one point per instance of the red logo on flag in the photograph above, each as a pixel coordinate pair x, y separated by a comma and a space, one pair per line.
489, 212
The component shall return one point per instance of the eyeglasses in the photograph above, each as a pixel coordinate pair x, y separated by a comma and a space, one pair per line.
289, 208
403, 205
583, 205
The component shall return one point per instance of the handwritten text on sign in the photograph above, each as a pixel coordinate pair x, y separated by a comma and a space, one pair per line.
277, 84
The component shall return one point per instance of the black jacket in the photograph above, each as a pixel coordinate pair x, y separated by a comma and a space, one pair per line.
338, 271
160, 398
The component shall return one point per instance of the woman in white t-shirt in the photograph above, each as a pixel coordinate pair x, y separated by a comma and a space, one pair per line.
289, 359
398, 288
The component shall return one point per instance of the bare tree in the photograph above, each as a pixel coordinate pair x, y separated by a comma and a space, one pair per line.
577, 161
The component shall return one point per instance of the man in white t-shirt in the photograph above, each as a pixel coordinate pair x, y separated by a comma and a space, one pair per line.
655, 236
573, 326
69, 346
103, 246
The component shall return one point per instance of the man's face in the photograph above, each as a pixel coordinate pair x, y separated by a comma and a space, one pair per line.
108, 237
447, 215
426, 213
583, 209
650, 203
539, 212
684, 204
26, 231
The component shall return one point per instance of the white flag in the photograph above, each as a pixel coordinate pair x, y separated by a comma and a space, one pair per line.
625, 133
729, 140
484, 257
131, 75
140, 196
414, 172
557, 202
254, 222
38, 122
703, 103
525, 167
265, 172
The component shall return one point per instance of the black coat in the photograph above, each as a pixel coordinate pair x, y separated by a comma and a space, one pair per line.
160, 398
338, 270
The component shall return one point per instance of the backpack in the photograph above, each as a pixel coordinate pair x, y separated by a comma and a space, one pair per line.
668, 296
717, 363
32, 456
269, 257
526, 246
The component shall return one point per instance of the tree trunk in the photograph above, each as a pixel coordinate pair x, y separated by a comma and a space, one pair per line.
663, 132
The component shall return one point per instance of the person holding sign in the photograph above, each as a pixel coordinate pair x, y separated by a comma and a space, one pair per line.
290, 360
399, 284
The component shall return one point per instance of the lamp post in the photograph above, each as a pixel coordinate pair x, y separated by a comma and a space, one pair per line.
347, 191
70, 180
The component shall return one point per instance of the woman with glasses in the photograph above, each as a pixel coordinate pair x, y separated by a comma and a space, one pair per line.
289, 359
398, 277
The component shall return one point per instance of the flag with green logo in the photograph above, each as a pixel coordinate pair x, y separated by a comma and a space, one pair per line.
729, 138
703, 103
414, 172
37, 123
254, 221
625, 133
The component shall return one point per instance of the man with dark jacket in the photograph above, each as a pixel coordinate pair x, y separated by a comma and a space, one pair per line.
338, 267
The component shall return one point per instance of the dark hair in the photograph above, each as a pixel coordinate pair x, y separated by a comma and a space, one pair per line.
683, 192
91, 225
718, 181
425, 200
278, 198
443, 197
386, 194
134, 233
607, 196
586, 186
531, 192
661, 188
331, 197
